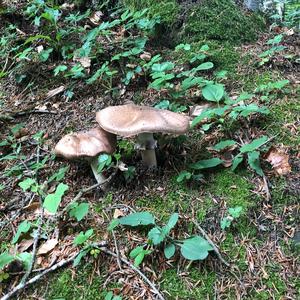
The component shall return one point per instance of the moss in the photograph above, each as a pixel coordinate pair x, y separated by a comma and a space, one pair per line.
233, 187
166, 10
221, 20
67, 286
202, 281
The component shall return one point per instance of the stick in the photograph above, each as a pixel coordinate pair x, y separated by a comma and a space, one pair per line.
85, 190
129, 264
34, 279
211, 243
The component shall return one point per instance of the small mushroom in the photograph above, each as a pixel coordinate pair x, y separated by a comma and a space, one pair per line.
87, 145
130, 120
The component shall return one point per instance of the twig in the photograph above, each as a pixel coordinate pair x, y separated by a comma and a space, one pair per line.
144, 277
211, 243
117, 250
85, 190
34, 279
266, 188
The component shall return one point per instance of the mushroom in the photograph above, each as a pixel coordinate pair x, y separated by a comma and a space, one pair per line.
87, 145
131, 120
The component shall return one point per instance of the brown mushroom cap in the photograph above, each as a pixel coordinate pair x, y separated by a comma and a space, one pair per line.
86, 144
128, 120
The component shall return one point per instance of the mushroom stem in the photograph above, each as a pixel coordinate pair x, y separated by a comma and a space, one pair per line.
100, 178
147, 145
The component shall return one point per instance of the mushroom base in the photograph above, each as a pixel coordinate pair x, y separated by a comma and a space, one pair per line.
147, 144
100, 178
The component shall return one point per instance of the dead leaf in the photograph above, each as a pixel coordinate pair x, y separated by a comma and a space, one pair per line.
47, 247
84, 61
24, 245
279, 161
198, 109
55, 91
118, 213
146, 56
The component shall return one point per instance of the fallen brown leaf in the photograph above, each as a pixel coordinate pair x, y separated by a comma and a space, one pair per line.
279, 161
47, 247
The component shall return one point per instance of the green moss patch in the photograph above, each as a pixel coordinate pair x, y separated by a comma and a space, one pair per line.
221, 20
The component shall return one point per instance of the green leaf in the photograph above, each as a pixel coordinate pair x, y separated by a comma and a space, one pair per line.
223, 144
254, 163
59, 175
78, 258
60, 68
52, 201
26, 184
235, 212
44, 55
184, 175
171, 223
113, 224
5, 259
213, 92
236, 161
83, 237
26, 259
276, 40
139, 259
169, 250
22, 228
109, 296
80, 211
204, 66
255, 144
136, 219
195, 248
156, 235
225, 223
185, 47
136, 251
103, 161
206, 163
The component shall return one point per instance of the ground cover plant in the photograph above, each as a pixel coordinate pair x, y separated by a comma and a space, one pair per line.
219, 216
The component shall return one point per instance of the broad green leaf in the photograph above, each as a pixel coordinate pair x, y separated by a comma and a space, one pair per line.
136, 219
225, 223
221, 74
103, 161
22, 228
60, 68
109, 296
156, 235
80, 211
169, 250
236, 161
255, 144
136, 251
82, 237
171, 223
26, 259
235, 212
206, 163
213, 92
26, 184
139, 259
52, 201
254, 163
276, 40
223, 144
184, 175
185, 47
44, 54
195, 248
5, 259
78, 258
113, 224
204, 66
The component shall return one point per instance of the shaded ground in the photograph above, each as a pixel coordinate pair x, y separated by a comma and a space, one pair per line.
260, 245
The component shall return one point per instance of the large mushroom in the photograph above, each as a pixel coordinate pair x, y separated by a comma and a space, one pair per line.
131, 120
87, 145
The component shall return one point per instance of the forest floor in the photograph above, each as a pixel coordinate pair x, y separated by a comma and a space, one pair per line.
261, 245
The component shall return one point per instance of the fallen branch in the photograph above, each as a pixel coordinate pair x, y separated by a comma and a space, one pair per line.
144, 277
211, 243
34, 279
